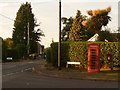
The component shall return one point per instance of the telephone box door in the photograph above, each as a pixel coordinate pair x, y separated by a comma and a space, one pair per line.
93, 57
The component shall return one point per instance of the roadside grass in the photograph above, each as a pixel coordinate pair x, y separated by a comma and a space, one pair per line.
63, 69
76, 69
104, 74
109, 75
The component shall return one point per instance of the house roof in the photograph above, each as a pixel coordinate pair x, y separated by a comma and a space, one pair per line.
94, 38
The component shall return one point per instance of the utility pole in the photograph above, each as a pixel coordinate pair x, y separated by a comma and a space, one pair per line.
28, 41
59, 43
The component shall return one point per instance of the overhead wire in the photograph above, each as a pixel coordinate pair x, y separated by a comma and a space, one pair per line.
6, 17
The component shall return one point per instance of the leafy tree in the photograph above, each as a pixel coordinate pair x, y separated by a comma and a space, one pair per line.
106, 35
9, 43
98, 19
67, 22
20, 50
89, 34
25, 22
4, 50
77, 31
118, 35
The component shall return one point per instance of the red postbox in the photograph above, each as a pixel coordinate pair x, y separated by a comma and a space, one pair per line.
93, 57
109, 56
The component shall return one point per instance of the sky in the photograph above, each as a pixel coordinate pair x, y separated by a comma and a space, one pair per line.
47, 14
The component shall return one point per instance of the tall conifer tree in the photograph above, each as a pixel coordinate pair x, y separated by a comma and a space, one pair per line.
77, 31
25, 20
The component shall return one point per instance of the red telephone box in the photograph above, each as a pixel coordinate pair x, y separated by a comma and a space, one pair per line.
93, 57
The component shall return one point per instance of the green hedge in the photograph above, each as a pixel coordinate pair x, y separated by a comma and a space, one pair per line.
112, 47
20, 50
77, 51
48, 54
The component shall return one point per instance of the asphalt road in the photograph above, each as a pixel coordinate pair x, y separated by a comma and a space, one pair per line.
20, 75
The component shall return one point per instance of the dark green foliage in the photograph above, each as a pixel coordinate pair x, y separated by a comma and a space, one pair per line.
118, 35
4, 51
20, 50
77, 30
54, 54
112, 47
24, 22
9, 43
33, 47
48, 54
16, 52
12, 53
106, 35
90, 33
98, 19
64, 53
77, 51
67, 22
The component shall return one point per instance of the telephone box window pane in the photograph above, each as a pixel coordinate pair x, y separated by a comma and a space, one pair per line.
93, 57
93, 68
93, 50
93, 63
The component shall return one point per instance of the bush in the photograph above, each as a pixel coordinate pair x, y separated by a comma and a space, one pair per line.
77, 51
4, 51
11, 53
48, 54
20, 50
70, 51
16, 53
54, 54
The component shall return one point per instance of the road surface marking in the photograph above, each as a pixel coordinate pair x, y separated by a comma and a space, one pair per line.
27, 69
17, 72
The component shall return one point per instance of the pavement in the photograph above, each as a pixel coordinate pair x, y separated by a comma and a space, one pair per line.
42, 70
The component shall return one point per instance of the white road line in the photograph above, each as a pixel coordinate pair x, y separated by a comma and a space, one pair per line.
10, 74
17, 72
27, 69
